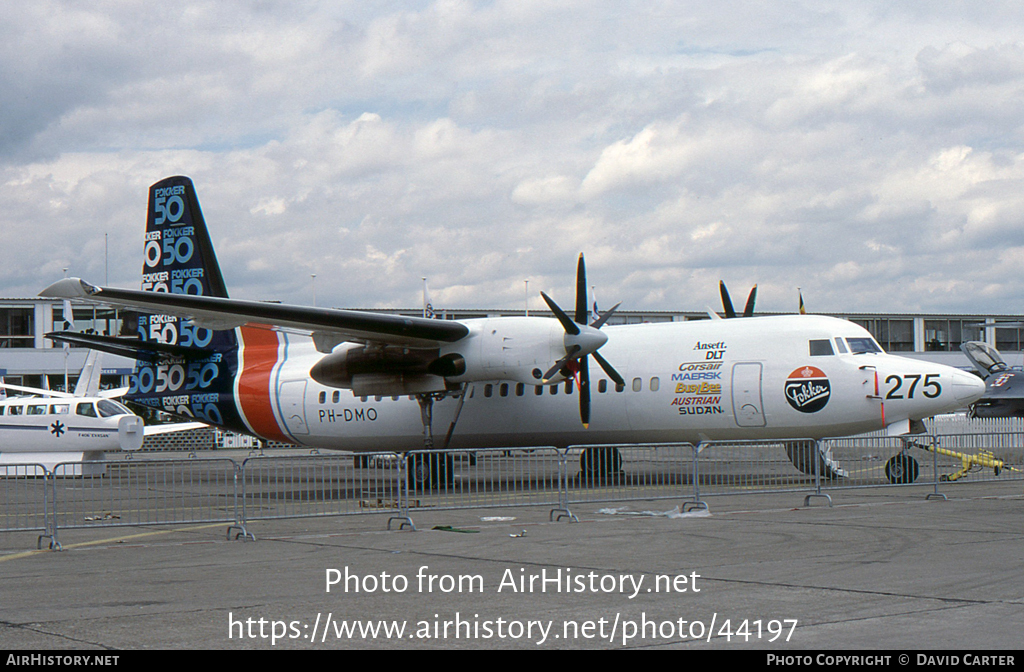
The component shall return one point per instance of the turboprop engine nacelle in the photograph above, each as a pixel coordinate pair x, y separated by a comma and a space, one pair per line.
519, 349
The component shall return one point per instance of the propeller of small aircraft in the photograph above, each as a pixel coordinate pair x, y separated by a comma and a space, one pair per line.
581, 341
748, 310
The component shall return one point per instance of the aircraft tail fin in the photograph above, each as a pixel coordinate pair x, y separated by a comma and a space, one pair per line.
181, 367
179, 256
89, 381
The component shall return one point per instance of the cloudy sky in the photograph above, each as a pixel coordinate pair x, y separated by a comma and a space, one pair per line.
872, 155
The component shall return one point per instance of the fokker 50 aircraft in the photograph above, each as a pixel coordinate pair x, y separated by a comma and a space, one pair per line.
363, 381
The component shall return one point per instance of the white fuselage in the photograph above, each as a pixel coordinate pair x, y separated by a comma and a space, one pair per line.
62, 425
753, 378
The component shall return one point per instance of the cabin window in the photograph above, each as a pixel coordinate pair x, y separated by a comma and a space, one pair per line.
88, 410
821, 347
620, 388
602, 386
2, 409
335, 396
503, 389
520, 389
638, 384
488, 390
841, 346
36, 409
59, 409
655, 384
568, 386
16, 410
538, 390
323, 397
554, 390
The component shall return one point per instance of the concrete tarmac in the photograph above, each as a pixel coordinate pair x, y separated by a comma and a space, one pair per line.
882, 569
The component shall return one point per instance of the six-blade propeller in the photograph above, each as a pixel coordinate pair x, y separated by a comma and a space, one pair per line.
581, 341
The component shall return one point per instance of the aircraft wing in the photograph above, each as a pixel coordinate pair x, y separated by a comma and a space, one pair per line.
36, 391
328, 326
132, 348
156, 430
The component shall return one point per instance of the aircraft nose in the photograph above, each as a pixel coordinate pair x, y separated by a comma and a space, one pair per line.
967, 387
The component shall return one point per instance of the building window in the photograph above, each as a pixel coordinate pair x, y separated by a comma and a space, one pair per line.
17, 327
1008, 340
894, 335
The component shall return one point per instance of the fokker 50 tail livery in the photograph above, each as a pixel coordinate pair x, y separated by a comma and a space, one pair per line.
364, 381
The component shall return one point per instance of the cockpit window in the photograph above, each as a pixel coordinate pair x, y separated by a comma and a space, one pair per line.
840, 345
984, 356
859, 346
110, 408
821, 347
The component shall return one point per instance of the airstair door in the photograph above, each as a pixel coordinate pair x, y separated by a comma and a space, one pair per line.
292, 399
747, 406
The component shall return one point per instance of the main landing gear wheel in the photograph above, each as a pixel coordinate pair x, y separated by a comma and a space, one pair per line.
600, 464
901, 469
430, 471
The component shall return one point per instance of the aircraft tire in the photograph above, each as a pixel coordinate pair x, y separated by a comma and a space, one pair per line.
901, 469
600, 462
429, 471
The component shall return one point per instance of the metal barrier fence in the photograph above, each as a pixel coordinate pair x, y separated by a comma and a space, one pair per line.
210, 490
147, 492
26, 501
317, 485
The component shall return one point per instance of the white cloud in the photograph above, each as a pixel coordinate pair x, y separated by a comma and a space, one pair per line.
869, 154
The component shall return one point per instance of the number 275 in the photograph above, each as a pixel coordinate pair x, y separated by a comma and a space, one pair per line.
931, 387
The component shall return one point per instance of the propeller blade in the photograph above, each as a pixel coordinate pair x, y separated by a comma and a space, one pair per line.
609, 369
748, 311
570, 327
582, 312
584, 391
599, 322
560, 364
730, 312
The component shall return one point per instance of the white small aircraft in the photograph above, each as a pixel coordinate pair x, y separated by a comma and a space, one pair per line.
363, 381
47, 427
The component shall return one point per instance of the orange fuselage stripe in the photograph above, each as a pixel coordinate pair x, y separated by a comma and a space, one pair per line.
258, 357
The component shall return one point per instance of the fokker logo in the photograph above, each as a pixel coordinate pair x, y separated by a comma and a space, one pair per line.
807, 389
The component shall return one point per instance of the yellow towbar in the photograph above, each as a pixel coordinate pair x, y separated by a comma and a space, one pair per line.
982, 459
